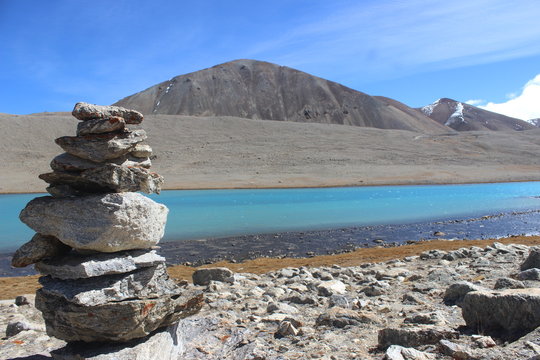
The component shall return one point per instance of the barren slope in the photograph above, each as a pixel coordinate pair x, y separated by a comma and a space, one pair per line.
217, 152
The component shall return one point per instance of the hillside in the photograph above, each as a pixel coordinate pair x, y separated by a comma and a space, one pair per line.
464, 117
261, 90
218, 152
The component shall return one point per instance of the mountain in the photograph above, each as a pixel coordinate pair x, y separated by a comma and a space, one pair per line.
261, 90
535, 122
464, 117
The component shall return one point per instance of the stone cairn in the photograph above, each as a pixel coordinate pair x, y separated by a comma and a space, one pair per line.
105, 289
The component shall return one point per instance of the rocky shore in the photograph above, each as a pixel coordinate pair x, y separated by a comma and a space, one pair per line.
470, 303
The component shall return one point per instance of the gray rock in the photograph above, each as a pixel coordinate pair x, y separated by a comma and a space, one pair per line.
301, 299
339, 317
68, 162
125, 221
396, 352
149, 282
286, 328
328, 288
100, 126
430, 318
101, 147
412, 337
165, 344
141, 151
204, 276
529, 274
455, 293
508, 283
114, 322
443, 276
38, 248
512, 311
532, 261
26, 299
18, 325
84, 111
281, 308
79, 266
456, 351
341, 301
63, 190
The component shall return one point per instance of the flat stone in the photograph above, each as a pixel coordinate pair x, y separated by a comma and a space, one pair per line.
101, 147
100, 126
68, 162
508, 283
532, 261
64, 190
149, 282
340, 317
114, 322
38, 248
84, 111
141, 151
413, 337
512, 312
396, 352
106, 178
529, 274
165, 344
78, 266
328, 288
204, 276
125, 221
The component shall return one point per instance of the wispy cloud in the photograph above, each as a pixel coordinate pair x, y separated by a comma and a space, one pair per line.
412, 36
525, 105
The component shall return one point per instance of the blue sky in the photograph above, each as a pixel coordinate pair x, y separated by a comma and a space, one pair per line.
57, 52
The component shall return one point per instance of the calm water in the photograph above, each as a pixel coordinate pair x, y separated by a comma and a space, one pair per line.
216, 213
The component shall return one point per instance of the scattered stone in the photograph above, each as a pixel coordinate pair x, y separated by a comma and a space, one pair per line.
27, 299
40, 247
126, 221
328, 288
532, 261
511, 312
339, 317
396, 352
530, 274
84, 111
204, 276
16, 326
484, 341
285, 328
455, 293
456, 351
412, 337
508, 283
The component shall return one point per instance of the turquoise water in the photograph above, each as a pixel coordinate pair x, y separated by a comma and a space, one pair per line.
216, 213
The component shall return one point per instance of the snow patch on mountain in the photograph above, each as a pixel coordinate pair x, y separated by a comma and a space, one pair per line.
535, 122
428, 109
457, 116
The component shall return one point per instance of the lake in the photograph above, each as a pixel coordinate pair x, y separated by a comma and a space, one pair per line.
197, 214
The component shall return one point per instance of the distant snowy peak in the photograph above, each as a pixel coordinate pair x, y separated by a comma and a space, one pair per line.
428, 109
464, 117
457, 116
535, 122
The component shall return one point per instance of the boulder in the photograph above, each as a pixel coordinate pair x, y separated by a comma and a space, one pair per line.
204, 276
105, 223
117, 321
532, 261
40, 247
84, 111
165, 344
510, 313
101, 147
80, 266
100, 126
149, 282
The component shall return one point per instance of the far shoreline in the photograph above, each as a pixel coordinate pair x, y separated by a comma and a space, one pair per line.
322, 186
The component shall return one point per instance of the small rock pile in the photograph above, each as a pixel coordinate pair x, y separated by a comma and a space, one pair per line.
102, 280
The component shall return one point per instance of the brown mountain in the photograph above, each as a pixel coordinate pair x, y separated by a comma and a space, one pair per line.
261, 90
464, 117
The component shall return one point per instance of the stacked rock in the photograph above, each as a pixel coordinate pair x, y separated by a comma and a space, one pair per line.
102, 281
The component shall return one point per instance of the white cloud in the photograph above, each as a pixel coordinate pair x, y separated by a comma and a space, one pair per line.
475, 102
524, 106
